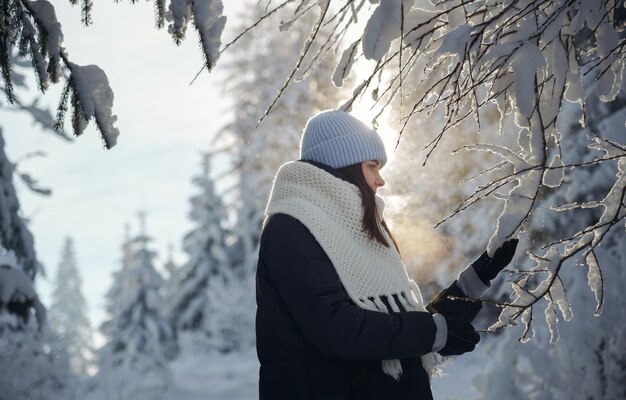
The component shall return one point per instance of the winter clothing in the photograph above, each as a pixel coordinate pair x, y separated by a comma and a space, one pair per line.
461, 338
337, 139
487, 268
453, 302
331, 210
314, 341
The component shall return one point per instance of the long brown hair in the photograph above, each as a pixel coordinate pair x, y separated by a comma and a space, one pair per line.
371, 219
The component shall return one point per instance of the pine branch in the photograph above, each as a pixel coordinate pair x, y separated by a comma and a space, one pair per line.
62, 107
5, 64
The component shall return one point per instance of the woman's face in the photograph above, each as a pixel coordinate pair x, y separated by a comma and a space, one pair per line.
371, 171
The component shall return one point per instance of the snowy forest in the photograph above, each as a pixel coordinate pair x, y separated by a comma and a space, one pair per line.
501, 118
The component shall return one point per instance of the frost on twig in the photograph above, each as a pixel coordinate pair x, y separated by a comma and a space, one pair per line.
531, 59
551, 288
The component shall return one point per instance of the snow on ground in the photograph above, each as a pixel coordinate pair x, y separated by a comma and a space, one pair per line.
220, 377
235, 377
456, 384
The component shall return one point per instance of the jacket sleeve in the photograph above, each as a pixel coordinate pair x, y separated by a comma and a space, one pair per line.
306, 279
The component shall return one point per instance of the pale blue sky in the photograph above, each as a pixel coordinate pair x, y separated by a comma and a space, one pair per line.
164, 124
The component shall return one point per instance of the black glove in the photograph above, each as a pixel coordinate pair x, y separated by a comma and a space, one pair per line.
487, 268
459, 307
462, 338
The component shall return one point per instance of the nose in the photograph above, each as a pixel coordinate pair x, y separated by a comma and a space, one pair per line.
380, 181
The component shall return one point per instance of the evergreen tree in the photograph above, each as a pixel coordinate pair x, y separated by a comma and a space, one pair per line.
29, 366
231, 309
14, 234
170, 265
205, 245
228, 303
68, 316
139, 339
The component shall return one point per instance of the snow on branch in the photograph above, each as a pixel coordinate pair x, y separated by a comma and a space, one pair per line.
91, 97
532, 59
207, 19
14, 233
17, 288
551, 289
31, 27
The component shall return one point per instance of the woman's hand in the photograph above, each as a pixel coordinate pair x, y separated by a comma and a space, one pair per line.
452, 302
487, 268
462, 337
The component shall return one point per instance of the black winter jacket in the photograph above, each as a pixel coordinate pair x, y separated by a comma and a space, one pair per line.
315, 343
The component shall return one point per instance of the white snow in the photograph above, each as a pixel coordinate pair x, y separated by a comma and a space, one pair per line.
44, 12
177, 14
96, 98
418, 27
554, 177
209, 21
527, 60
559, 295
217, 376
15, 286
345, 64
456, 41
382, 27
594, 278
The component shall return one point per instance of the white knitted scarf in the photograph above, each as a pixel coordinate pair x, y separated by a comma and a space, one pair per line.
331, 210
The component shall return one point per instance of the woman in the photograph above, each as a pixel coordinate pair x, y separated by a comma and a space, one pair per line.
338, 317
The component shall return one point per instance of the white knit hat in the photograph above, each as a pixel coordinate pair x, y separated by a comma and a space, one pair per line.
336, 138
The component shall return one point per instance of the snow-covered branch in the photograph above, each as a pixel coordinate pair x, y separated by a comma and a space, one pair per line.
532, 59
31, 28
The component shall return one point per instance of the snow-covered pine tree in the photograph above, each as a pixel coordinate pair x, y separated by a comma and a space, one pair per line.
139, 338
26, 367
68, 314
208, 256
29, 367
231, 307
170, 265
14, 234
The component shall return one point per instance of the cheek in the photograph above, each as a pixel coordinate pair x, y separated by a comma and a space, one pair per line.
367, 174
370, 178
